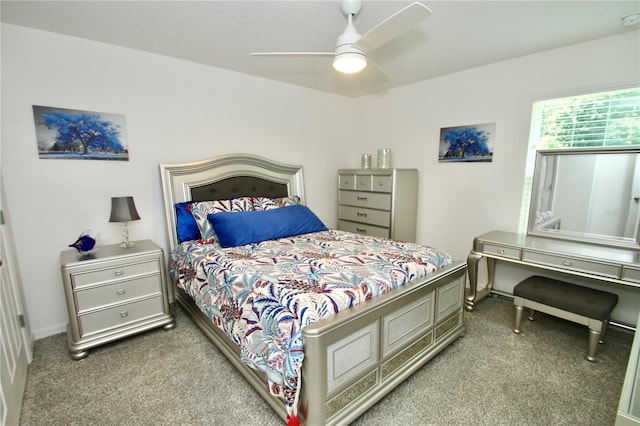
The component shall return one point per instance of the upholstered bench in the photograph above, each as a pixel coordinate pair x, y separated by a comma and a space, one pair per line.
582, 305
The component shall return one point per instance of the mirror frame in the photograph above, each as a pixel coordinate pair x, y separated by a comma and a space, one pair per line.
623, 242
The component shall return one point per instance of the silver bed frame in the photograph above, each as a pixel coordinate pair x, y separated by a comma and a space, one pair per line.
353, 359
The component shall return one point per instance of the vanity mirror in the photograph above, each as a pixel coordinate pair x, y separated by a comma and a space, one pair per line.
590, 195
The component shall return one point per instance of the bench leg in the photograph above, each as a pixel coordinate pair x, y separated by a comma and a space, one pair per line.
531, 314
518, 319
605, 325
594, 338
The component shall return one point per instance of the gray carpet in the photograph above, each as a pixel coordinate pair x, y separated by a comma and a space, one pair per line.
489, 377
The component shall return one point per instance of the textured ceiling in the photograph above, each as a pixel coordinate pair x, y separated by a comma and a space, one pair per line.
458, 35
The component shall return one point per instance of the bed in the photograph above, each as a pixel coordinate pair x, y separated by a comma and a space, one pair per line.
338, 364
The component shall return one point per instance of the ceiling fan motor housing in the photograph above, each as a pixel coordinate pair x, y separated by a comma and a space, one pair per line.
348, 58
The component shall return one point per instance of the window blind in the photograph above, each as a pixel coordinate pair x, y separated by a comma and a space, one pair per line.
594, 120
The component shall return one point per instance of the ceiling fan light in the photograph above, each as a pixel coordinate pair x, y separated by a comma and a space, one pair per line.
349, 62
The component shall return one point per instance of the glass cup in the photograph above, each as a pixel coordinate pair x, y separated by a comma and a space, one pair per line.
365, 161
384, 158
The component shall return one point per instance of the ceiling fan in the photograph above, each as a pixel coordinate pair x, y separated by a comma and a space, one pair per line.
352, 49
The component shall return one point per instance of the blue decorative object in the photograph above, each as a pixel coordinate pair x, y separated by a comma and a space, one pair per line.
84, 244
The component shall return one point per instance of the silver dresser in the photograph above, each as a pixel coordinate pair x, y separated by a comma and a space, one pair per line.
114, 293
378, 202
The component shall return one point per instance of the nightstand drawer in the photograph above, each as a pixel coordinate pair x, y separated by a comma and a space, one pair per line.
117, 272
119, 292
359, 228
100, 321
365, 199
359, 214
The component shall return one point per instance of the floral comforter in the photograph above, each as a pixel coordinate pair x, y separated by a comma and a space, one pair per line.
263, 294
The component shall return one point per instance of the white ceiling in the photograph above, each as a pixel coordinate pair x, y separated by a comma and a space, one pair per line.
458, 35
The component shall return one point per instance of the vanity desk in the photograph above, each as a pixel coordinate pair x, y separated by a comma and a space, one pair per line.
620, 266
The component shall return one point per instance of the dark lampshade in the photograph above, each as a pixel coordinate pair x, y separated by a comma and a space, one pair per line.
123, 209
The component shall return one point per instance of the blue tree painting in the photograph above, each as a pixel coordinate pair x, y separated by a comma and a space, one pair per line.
79, 134
467, 143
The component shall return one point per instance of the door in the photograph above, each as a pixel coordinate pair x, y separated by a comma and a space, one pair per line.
15, 347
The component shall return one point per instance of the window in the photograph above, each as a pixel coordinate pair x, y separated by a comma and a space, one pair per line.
594, 120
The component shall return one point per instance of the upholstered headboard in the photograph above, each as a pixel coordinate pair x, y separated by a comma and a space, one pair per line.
239, 186
226, 177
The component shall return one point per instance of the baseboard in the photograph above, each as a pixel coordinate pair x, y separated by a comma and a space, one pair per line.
50, 330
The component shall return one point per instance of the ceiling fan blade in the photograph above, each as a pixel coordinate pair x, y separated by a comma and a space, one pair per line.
293, 54
393, 26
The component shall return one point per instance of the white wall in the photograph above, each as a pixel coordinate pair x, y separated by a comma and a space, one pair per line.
179, 111
175, 111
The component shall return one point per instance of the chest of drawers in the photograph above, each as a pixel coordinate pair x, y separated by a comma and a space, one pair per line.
378, 202
114, 293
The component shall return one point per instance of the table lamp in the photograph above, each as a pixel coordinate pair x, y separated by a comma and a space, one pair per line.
123, 209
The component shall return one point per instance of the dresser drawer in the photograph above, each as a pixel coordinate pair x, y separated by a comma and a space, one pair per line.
597, 268
102, 320
365, 199
359, 214
631, 274
114, 272
363, 182
510, 252
362, 229
382, 184
347, 182
118, 292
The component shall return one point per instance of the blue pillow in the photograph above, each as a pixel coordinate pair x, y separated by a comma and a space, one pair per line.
239, 228
186, 225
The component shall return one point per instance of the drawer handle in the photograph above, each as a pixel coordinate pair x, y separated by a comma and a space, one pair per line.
124, 314
364, 231
500, 251
119, 273
566, 263
121, 291
361, 198
361, 214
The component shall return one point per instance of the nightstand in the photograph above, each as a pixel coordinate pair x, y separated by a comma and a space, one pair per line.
114, 293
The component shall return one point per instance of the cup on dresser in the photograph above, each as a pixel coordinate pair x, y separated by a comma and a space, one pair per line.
365, 161
384, 158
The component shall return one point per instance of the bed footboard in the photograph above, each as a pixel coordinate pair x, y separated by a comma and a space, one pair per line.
355, 358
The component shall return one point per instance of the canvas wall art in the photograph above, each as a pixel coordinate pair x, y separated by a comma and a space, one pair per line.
471, 143
85, 135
